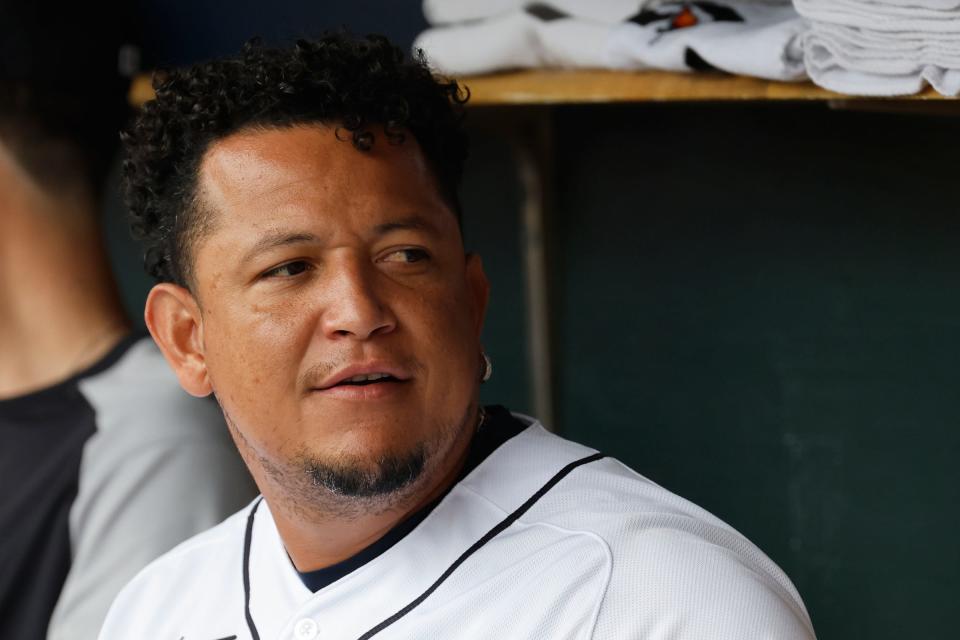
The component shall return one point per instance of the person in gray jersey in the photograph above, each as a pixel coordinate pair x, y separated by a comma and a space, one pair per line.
104, 461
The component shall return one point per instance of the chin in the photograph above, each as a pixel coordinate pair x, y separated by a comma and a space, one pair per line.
368, 474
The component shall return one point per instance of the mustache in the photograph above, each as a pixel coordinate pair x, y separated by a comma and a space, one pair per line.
321, 371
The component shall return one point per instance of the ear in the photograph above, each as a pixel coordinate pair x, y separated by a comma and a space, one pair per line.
478, 289
174, 320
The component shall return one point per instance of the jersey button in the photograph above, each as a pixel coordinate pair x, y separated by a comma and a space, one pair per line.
305, 629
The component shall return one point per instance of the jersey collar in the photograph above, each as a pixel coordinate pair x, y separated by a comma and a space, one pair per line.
376, 591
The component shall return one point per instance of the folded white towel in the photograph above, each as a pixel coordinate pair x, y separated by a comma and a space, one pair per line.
516, 40
911, 5
876, 60
884, 16
884, 43
746, 38
835, 71
440, 12
883, 48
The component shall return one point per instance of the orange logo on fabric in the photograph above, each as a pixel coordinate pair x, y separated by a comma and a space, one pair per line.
686, 18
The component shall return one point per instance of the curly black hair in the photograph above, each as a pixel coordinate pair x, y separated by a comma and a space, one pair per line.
338, 79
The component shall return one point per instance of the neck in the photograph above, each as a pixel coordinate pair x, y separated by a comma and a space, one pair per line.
59, 309
317, 540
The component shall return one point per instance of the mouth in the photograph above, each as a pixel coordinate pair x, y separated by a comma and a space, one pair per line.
366, 381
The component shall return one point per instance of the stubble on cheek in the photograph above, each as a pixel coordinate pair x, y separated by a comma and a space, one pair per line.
314, 487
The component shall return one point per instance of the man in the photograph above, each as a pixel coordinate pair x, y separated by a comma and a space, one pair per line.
104, 461
300, 212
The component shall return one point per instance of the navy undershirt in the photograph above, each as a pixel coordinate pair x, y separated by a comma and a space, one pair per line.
498, 426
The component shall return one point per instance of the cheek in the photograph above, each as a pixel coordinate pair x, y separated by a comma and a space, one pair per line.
447, 334
253, 356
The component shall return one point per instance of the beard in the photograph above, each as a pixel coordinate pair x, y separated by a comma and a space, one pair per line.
316, 486
353, 479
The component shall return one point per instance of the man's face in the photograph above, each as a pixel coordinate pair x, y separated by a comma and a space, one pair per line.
340, 315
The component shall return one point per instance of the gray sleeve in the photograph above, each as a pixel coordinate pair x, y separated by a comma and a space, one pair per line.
154, 475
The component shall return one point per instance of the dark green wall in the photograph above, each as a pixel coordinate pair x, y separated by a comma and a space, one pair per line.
761, 313
491, 196
758, 311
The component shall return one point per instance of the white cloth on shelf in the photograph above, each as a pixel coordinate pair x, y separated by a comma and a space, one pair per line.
875, 48
931, 17
438, 12
835, 64
748, 37
836, 78
517, 40
763, 42
884, 43
881, 52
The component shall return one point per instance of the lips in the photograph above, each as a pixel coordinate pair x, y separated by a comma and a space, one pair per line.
369, 378
367, 374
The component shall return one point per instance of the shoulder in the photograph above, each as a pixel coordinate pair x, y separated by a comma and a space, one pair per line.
159, 467
153, 442
217, 546
201, 574
142, 414
687, 577
672, 565
139, 392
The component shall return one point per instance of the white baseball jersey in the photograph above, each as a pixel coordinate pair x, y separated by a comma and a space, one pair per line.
544, 539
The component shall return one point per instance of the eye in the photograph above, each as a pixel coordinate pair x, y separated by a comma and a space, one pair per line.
288, 270
407, 256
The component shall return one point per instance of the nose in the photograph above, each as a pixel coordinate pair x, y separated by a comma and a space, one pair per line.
355, 308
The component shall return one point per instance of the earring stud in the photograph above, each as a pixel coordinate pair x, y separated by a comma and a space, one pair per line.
487, 367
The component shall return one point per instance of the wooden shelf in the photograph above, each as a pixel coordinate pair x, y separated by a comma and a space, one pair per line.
549, 87
578, 87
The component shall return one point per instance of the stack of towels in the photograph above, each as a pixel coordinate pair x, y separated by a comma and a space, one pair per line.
883, 47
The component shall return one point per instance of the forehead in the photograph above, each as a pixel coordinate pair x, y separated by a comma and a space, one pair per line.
312, 168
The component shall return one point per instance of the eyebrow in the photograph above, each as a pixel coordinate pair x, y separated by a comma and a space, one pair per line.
414, 222
278, 239
287, 238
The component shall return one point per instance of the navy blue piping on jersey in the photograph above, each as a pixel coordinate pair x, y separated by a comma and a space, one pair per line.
498, 426
490, 535
476, 546
247, 540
